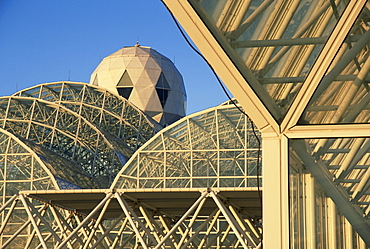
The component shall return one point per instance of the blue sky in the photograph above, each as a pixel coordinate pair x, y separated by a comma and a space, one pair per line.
52, 40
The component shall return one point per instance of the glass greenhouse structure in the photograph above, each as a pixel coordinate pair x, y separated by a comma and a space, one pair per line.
179, 178
300, 69
84, 168
217, 147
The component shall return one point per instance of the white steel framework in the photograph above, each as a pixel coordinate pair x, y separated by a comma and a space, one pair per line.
300, 70
135, 218
217, 147
195, 183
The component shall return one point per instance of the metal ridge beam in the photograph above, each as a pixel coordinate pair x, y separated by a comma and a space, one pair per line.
328, 131
323, 62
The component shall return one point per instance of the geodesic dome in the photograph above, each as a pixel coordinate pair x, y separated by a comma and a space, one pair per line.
147, 79
216, 147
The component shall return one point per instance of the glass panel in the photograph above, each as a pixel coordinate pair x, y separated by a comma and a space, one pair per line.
178, 164
272, 43
343, 94
206, 158
314, 217
125, 80
12, 188
18, 167
162, 83
125, 91
348, 160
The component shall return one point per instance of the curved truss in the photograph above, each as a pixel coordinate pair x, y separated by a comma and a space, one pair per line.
26, 165
211, 148
106, 110
61, 130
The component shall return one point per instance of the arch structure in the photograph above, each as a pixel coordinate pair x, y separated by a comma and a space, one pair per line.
300, 69
58, 136
27, 165
217, 147
96, 129
101, 107
195, 184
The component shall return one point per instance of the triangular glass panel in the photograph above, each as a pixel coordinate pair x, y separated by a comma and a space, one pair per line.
162, 82
272, 50
125, 91
343, 95
125, 80
163, 95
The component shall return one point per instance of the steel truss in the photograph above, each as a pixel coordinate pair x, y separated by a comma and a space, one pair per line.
299, 68
211, 219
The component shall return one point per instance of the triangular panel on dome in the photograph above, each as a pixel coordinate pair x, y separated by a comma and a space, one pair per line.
154, 103
127, 50
140, 102
125, 80
124, 91
167, 65
152, 64
95, 81
144, 80
162, 82
162, 95
153, 74
143, 60
115, 73
170, 76
135, 63
171, 106
141, 50
116, 63
145, 92
159, 118
126, 60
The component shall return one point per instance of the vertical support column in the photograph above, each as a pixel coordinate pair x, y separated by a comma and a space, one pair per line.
348, 234
310, 212
332, 224
275, 211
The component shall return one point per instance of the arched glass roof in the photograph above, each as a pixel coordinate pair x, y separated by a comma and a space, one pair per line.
212, 148
63, 131
106, 110
25, 165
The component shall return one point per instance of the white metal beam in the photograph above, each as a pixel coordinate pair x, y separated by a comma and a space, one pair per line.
328, 131
87, 219
129, 213
334, 191
323, 62
33, 221
225, 68
232, 222
275, 209
97, 223
187, 213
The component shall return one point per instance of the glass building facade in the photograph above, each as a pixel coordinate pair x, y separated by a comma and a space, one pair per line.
300, 69
217, 147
